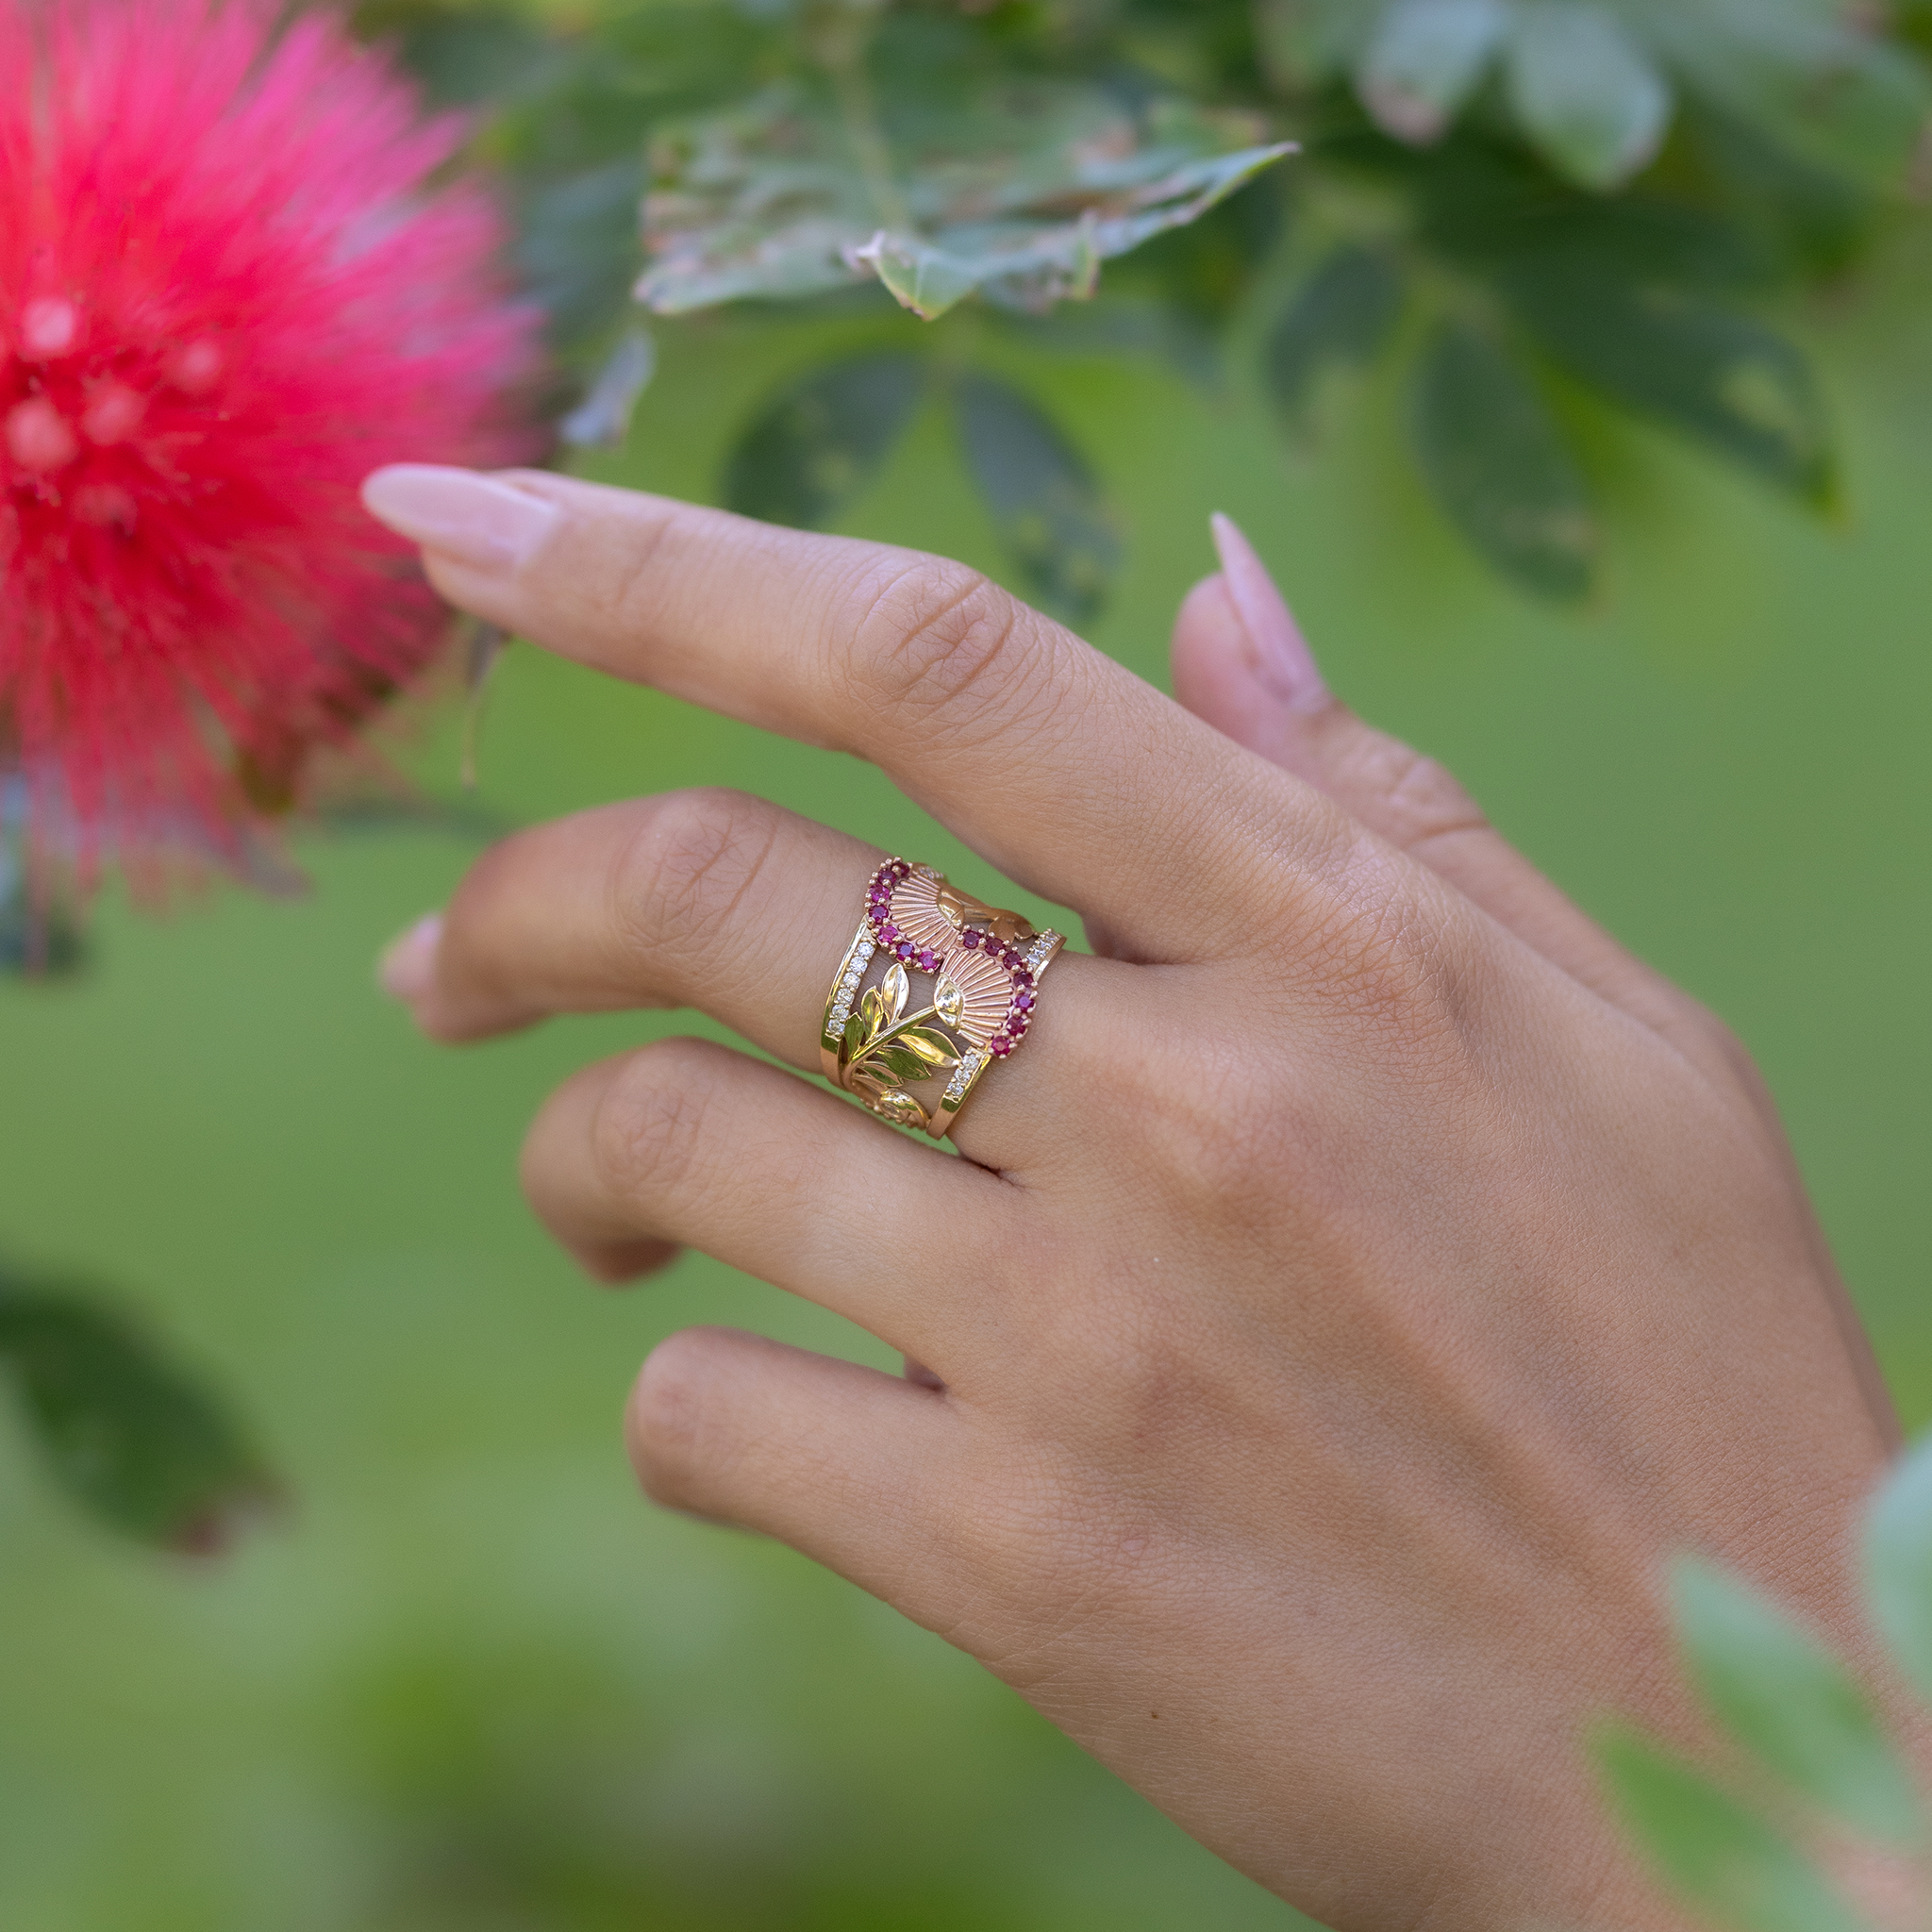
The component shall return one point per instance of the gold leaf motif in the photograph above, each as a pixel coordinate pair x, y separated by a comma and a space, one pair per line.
948, 1001
871, 1005
899, 1108
898, 989
933, 1048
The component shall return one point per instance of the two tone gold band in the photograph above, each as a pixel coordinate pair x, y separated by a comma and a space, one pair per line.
918, 1065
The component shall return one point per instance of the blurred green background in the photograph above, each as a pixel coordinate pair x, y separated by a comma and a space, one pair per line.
471, 1680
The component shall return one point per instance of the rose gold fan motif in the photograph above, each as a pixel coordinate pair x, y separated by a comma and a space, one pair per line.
918, 916
974, 995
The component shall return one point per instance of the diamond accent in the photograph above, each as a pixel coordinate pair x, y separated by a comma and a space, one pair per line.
962, 1075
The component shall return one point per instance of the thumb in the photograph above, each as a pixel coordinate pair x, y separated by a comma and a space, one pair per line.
1241, 664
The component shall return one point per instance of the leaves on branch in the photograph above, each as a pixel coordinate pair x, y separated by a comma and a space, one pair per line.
1042, 494
136, 1441
1591, 84
1020, 201
813, 153
812, 448
1498, 465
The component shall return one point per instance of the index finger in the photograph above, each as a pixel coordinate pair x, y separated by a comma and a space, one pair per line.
1063, 769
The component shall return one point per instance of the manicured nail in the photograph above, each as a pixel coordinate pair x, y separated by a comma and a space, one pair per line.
487, 524
408, 967
1277, 652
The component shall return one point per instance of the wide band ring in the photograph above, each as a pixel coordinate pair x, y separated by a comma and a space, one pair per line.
914, 1058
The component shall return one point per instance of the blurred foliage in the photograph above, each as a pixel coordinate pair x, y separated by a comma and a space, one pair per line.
1518, 199
1812, 1763
141, 1444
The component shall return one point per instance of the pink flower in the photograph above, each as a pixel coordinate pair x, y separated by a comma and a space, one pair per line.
226, 294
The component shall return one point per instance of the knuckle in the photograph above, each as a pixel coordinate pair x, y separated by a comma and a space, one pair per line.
681, 878
936, 639
647, 1131
626, 584
1416, 799
667, 1422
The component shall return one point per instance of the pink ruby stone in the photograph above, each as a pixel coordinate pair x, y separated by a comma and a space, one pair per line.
1022, 977
970, 940
1000, 1046
1023, 999
888, 932
927, 964
905, 951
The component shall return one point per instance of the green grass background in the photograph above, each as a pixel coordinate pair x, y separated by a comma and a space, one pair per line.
473, 1681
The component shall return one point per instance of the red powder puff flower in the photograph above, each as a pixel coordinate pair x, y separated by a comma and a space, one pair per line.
226, 295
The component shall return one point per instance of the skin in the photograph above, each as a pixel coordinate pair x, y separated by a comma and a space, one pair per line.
1365, 1278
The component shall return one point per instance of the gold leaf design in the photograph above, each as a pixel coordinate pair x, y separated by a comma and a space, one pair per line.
934, 1049
948, 1001
898, 1106
898, 989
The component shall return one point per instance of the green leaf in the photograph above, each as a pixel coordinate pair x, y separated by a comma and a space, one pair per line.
812, 448
1709, 371
1806, 77
1588, 97
1042, 495
1020, 198
1499, 465
130, 1436
1300, 43
1342, 313
1898, 1564
1790, 1703
1721, 1860
1426, 60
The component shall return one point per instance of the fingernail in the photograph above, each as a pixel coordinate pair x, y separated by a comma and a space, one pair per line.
1277, 652
407, 967
489, 524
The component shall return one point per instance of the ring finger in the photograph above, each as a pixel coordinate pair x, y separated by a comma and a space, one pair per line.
708, 899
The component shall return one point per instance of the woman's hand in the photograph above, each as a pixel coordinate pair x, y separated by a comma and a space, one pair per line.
1364, 1276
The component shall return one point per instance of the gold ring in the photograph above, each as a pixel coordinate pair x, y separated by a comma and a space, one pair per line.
985, 966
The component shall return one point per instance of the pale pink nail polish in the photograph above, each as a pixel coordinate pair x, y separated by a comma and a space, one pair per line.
480, 520
1277, 652
407, 969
